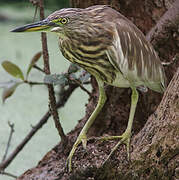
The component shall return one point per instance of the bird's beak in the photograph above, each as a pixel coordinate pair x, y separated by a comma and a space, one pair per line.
42, 26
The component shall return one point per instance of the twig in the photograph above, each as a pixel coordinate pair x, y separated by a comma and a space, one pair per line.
8, 160
80, 85
11, 125
38, 68
36, 4
52, 99
36, 8
34, 83
8, 174
64, 97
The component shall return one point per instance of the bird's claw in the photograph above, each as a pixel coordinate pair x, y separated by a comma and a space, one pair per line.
124, 139
68, 164
81, 139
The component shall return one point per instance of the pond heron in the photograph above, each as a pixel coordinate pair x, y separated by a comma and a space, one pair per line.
112, 49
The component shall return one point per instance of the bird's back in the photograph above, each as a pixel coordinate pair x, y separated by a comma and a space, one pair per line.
133, 55
126, 57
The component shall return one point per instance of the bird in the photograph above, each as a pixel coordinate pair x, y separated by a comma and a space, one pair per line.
112, 49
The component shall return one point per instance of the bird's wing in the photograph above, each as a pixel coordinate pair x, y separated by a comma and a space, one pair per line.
134, 57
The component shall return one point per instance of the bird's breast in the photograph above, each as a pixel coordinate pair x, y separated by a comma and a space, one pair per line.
98, 66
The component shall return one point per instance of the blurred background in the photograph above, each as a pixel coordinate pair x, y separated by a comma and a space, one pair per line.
28, 104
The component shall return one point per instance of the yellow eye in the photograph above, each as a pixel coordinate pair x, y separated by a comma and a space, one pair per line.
64, 20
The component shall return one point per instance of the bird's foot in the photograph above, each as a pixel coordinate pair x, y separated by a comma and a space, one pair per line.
81, 139
124, 139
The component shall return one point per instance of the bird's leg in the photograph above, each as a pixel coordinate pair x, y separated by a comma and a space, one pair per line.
125, 137
82, 136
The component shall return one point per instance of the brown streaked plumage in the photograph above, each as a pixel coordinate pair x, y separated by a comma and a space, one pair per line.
111, 48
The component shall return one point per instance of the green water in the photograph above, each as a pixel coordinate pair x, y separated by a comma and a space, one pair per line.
28, 105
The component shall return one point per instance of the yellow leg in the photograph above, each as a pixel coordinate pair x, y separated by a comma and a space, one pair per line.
82, 136
125, 137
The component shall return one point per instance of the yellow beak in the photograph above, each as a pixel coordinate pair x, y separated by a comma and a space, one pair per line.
37, 26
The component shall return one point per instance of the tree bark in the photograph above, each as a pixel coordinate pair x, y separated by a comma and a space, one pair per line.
154, 146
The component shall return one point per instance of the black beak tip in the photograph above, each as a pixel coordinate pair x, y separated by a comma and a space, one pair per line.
18, 29
14, 30
37, 26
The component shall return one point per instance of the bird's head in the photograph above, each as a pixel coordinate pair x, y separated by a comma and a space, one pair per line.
56, 22
71, 22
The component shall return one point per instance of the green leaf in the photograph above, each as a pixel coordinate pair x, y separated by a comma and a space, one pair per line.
9, 89
33, 61
13, 69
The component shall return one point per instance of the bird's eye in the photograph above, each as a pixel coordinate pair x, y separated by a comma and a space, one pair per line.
64, 20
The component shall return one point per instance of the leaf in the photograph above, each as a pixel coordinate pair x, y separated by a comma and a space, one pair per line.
33, 61
12, 69
56, 79
9, 89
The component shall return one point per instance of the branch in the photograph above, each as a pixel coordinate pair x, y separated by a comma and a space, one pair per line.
64, 97
80, 85
8, 174
52, 104
31, 83
6, 162
9, 140
38, 68
170, 20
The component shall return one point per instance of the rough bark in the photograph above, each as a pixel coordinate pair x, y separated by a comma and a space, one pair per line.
154, 146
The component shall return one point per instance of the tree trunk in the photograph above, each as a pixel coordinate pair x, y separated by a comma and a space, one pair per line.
154, 146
